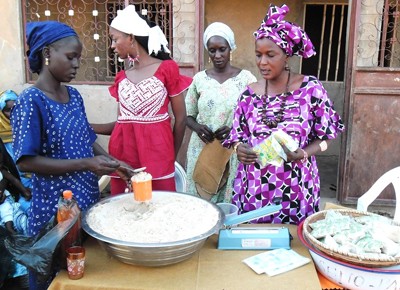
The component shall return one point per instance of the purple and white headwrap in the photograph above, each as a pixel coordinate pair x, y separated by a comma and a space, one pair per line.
287, 35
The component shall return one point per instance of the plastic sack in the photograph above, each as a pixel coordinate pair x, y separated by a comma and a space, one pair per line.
5, 257
37, 253
270, 150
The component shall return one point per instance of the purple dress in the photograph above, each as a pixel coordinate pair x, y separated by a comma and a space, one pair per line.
308, 115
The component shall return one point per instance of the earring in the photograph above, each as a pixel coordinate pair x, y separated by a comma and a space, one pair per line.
231, 56
46, 61
131, 61
287, 67
209, 59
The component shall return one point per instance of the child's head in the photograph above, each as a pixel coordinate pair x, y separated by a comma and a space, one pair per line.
7, 99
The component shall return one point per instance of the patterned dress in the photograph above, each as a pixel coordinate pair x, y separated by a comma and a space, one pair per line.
308, 115
142, 135
213, 104
44, 127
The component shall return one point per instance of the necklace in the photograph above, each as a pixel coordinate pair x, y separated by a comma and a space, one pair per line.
278, 117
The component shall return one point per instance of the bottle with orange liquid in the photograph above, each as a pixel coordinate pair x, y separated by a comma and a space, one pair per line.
67, 209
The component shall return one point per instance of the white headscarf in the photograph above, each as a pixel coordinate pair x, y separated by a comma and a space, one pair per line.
219, 29
129, 22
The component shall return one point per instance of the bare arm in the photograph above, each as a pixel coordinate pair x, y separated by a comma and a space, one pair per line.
246, 155
179, 110
311, 149
25, 192
100, 165
10, 227
103, 129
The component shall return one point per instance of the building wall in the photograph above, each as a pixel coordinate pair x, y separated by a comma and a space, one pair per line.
244, 17
100, 106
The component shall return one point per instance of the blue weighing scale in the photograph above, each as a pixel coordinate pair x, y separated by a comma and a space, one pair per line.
253, 238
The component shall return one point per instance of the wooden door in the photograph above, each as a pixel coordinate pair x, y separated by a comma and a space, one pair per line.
372, 102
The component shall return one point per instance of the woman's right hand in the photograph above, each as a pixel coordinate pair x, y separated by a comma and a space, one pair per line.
205, 134
102, 165
245, 154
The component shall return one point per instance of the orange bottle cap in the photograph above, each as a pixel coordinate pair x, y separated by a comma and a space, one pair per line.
67, 194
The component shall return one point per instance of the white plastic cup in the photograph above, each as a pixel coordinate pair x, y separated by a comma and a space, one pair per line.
229, 209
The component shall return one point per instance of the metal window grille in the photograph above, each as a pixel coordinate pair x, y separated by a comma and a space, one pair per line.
389, 43
91, 20
326, 25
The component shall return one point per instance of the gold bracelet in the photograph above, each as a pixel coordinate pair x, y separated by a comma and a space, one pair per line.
235, 147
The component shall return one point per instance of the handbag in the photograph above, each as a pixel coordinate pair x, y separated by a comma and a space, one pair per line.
212, 169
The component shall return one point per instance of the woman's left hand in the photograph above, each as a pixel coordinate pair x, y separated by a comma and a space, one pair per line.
222, 133
293, 156
125, 171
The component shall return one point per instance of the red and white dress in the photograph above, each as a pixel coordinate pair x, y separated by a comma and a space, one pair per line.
142, 135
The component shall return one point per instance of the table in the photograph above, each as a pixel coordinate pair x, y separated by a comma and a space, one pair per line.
208, 269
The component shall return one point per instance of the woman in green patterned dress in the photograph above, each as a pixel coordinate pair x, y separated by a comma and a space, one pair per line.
210, 102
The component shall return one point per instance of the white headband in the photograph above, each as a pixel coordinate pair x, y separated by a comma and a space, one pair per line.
129, 22
219, 29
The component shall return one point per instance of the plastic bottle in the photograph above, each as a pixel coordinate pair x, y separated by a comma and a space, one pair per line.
67, 209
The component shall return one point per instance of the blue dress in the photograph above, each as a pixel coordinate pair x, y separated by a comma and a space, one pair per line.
44, 127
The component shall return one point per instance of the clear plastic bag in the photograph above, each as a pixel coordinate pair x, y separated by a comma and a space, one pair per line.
270, 150
5, 257
37, 253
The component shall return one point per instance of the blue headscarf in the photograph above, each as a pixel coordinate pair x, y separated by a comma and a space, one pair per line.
5, 96
43, 33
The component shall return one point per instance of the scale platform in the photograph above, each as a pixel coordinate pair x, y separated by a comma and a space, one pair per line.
233, 237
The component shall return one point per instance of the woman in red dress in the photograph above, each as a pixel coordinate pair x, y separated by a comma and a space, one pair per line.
142, 135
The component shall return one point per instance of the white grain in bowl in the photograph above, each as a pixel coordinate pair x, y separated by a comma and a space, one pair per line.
168, 218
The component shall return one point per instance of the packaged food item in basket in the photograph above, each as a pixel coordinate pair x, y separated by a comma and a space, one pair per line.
356, 237
141, 186
270, 150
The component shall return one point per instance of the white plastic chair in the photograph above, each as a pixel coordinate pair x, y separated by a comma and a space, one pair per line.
180, 179
391, 176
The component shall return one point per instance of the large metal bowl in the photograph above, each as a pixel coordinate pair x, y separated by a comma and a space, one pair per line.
152, 254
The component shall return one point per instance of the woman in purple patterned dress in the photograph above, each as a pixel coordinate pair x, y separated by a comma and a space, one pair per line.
286, 101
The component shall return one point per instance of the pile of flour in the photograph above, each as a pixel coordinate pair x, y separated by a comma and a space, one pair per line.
166, 218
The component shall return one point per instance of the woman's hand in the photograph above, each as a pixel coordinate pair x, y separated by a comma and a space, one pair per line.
26, 193
125, 171
245, 154
102, 165
296, 155
222, 133
205, 133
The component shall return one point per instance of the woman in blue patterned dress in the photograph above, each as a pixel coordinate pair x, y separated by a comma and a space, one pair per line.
286, 101
51, 134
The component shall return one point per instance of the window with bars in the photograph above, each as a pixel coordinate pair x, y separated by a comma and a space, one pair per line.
91, 20
326, 25
378, 42
389, 55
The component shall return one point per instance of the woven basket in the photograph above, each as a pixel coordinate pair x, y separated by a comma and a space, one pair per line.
360, 260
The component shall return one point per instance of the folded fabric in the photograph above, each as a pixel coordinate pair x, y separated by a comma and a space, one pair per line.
212, 169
